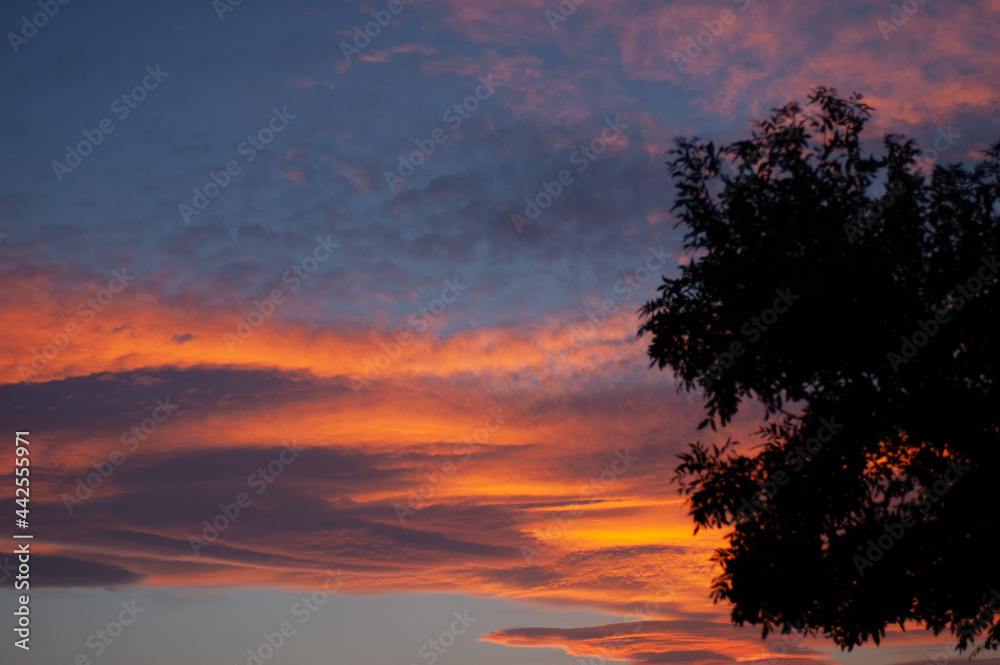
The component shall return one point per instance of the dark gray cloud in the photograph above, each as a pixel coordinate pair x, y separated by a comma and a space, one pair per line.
50, 570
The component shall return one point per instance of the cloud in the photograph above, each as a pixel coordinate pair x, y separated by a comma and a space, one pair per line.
653, 641
337, 503
69, 571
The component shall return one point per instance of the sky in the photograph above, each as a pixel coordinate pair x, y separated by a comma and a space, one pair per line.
295, 313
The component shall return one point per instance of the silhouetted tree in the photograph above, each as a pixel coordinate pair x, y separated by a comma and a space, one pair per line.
852, 291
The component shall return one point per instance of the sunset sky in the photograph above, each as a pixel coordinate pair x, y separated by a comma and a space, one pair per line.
229, 275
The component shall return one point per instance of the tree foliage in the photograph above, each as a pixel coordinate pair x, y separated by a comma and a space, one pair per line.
874, 254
